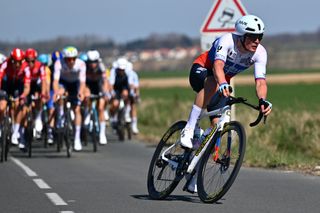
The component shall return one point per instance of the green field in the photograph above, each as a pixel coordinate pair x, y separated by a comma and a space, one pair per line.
144, 74
289, 139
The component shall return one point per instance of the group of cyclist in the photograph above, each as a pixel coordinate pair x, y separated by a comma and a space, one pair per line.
31, 81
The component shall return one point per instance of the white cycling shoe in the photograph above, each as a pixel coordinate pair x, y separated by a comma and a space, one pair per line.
38, 125
103, 139
14, 138
21, 146
135, 129
186, 137
77, 145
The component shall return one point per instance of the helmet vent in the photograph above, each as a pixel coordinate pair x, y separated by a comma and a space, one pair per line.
259, 27
250, 29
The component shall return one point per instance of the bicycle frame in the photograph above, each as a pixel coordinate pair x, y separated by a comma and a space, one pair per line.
225, 113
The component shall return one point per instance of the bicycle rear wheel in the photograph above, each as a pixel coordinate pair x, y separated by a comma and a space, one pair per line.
215, 177
68, 133
3, 143
161, 175
7, 128
95, 130
29, 133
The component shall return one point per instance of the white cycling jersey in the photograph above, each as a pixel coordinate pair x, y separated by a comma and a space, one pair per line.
112, 77
134, 79
78, 71
225, 49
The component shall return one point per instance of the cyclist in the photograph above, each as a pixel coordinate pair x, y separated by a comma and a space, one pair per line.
70, 76
97, 83
38, 87
134, 96
229, 55
44, 59
3, 94
55, 56
119, 81
16, 83
83, 56
3, 58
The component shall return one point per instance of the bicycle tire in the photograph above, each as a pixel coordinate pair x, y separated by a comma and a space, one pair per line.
8, 130
170, 137
3, 143
29, 133
68, 125
44, 117
121, 125
229, 164
59, 137
129, 130
94, 131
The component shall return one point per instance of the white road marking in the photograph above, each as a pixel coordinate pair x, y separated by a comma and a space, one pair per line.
56, 199
25, 168
41, 184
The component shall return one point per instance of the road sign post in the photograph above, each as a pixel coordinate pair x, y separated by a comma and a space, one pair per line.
220, 20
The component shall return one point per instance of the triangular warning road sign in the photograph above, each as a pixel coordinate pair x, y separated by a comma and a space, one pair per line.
222, 16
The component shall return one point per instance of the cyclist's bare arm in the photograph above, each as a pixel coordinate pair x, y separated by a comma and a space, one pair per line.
106, 85
261, 88
218, 72
26, 89
82, 90
56, 86
219, 75
261, 92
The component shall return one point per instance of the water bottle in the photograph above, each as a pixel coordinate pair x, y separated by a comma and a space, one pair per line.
197, 137
203, 136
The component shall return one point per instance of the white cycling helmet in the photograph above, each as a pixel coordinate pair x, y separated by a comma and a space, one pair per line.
122, 63
93, 55
70, 52
2, 58
249, 24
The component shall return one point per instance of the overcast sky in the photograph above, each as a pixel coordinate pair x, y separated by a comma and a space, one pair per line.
125, 20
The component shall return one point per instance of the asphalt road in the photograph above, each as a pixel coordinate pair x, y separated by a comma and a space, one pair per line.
114, 180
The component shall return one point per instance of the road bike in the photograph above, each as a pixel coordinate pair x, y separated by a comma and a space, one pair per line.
64, 128
122, 126
215, 163
93, 128
6, 131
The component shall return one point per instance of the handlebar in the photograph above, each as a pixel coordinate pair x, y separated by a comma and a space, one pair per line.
235, 100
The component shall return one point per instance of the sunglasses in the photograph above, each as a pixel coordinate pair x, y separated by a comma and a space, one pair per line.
16, 62
93, 62
70, 59
30, 60
254, 37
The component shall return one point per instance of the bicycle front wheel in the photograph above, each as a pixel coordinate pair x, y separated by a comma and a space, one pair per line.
162, 175
219, 167
3, 143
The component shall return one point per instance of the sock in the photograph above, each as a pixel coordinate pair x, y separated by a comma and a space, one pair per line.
78, 131
193, 117
134, 120
16, 128
39, 115
102, 127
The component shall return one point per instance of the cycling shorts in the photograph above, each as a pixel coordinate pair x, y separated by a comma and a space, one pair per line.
94, 86
197, 76
73, 90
